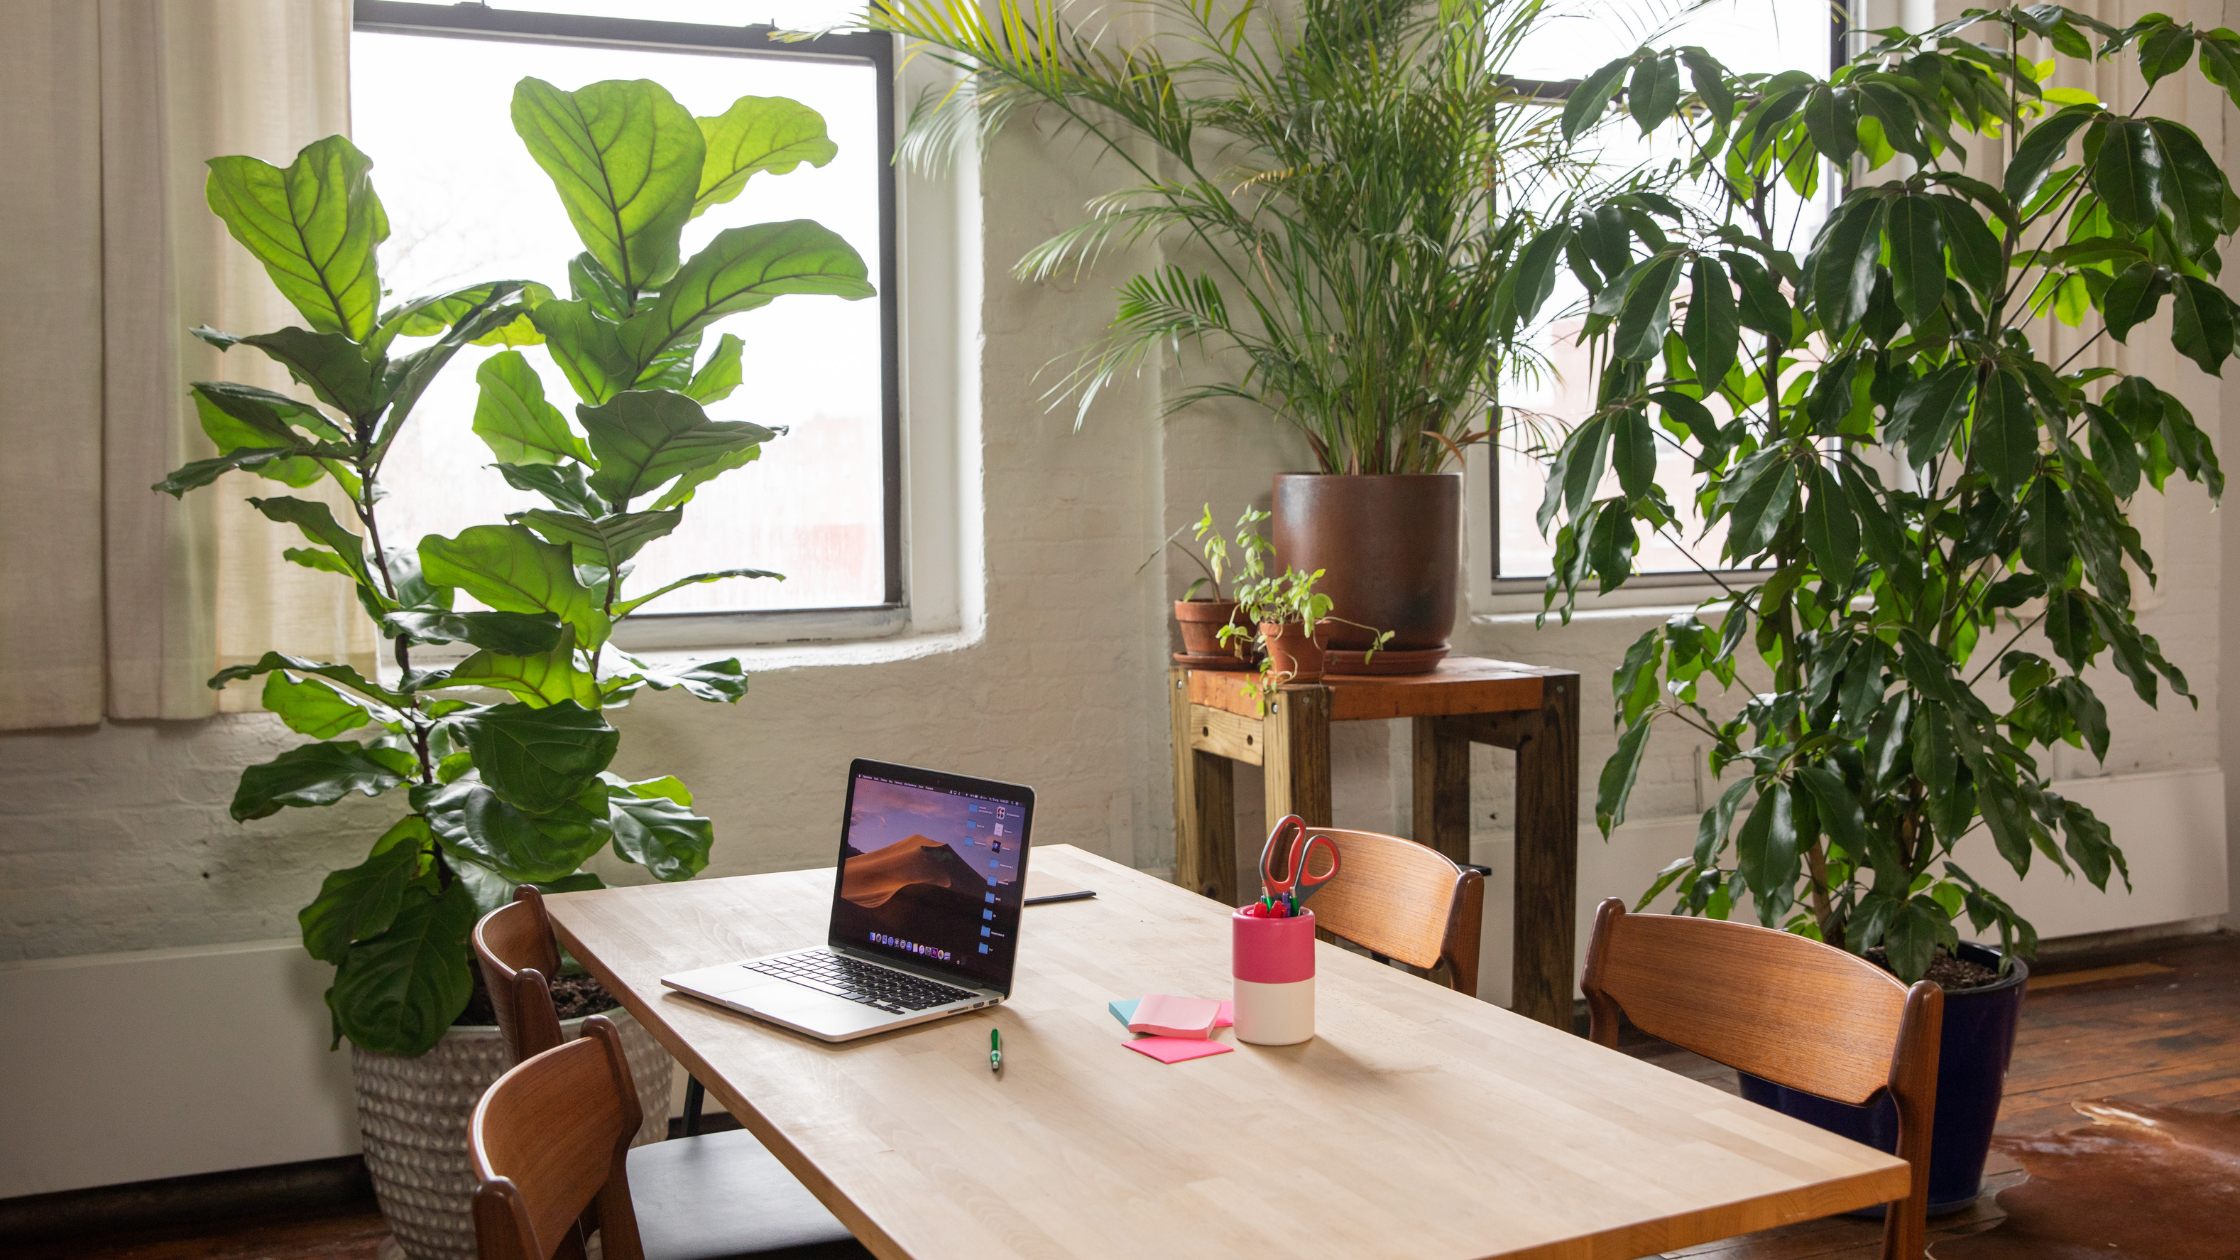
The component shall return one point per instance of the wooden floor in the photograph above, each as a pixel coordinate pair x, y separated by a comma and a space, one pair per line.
2155, 1023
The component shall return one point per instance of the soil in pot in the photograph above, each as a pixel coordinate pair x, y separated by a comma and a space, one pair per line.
573, 996
1972, 1056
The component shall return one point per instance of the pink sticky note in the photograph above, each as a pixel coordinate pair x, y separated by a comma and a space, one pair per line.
1177, 1049
1228, 1016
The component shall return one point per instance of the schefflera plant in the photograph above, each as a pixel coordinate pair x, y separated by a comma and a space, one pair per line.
517, 791
1876, 429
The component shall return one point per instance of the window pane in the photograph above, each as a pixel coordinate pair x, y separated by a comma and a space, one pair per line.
1756, 36
466, 202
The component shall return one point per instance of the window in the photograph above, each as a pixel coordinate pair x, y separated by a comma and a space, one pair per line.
1764, 36
431, 87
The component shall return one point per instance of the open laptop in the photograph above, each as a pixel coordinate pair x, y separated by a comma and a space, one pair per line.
925, 911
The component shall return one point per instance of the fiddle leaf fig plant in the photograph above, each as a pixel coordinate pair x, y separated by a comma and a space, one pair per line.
501, 758
1936, 504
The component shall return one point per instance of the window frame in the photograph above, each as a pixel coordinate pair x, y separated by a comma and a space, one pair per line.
1555, 93
654, 630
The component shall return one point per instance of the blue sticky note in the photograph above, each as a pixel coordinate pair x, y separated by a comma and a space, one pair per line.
1123, 1009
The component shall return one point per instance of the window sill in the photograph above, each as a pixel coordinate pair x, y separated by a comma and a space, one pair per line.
759, 658
1519, 599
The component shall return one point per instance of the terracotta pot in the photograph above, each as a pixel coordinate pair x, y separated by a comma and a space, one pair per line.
1389, 548
1201, 621
1295, 657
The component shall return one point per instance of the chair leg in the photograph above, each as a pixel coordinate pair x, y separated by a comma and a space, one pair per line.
695, 1096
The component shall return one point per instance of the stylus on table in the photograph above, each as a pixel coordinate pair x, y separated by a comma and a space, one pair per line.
995, 1049
1054, 898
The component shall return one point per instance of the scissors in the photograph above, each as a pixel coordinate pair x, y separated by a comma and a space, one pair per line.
1286, 861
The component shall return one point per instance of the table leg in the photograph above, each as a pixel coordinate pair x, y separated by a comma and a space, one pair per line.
1442, 786
1205, 811
1297, 760
1547, 881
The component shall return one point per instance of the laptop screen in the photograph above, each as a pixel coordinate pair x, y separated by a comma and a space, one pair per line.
932, 870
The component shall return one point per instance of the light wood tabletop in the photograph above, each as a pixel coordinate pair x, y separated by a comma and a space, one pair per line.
1418, 1123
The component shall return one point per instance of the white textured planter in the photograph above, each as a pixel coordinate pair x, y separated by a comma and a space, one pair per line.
413, 1113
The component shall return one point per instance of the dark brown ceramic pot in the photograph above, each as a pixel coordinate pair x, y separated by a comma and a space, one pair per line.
1200, 621
1293, 656
1389, 548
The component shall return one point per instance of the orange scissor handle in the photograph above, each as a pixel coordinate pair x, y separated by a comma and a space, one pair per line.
1287, 861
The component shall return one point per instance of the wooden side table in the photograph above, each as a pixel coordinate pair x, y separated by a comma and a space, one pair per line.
1532, 711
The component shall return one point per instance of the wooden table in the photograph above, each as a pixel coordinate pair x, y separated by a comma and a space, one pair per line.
1217, 722
1419, 1123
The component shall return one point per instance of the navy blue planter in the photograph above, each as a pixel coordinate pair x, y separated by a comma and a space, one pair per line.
1972, 1059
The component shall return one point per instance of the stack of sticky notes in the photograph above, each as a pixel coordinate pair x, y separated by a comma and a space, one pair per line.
1173, 1029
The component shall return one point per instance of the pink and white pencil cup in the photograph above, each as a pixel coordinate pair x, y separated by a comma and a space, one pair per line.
1273, 967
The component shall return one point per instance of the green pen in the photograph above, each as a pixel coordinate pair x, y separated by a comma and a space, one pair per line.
995, 1049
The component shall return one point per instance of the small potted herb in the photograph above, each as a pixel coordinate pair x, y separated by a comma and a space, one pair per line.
1202, 620
1290, 617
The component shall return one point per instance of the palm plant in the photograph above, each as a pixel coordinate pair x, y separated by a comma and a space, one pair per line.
1351, 188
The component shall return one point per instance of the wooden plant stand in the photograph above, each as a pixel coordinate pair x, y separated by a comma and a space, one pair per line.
1532, 711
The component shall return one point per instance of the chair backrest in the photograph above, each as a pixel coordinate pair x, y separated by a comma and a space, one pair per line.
549, 1139
1794, 1011
1404, 901
514, 947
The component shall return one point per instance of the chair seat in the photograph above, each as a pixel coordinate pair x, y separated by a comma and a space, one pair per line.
723, 1195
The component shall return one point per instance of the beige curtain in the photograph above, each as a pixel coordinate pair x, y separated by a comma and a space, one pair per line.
119, 602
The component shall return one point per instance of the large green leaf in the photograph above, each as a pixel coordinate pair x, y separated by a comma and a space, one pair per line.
360, 902
1767, 852
253, 416
330, 363
343, 674
1914, 225
1976, 257
1588, 100
437, 312
475, 824
1615, 787
512, 570
562, 485
318, 774
2132, 299
626, 159
743, 268
1830, 528
536, 758
2043, 148
721, 374
2194, 190
202, 472
1647, 311
631, 605
397, 992
543, 679
656, 832
513, 419
313, 707
1763, 308
606, 541
587, 348
758, 133
2201, 323
317, 522
2006, 430
2126, 172
313, 225
516, 634
1844, 264
645, 437
1712, 330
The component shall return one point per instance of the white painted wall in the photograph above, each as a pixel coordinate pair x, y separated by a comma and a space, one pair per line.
1047, 669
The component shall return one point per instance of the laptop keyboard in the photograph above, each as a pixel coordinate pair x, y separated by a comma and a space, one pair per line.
892, 991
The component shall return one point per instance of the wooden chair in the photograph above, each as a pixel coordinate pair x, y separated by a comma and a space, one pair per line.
518, 955
1794, 1011
1401, 900
709, 1197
